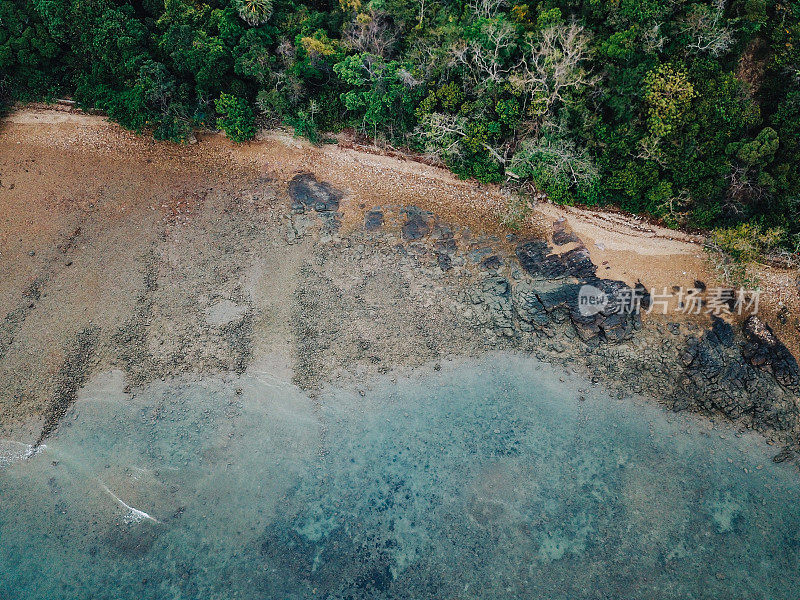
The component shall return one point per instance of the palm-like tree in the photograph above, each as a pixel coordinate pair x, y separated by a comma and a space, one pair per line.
254, 12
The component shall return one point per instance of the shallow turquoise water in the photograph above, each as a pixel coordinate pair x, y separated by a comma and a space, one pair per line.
488, 479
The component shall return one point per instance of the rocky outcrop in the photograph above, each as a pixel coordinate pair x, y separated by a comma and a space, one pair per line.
373, 219
764, 351
535, 303
719, 377
557, 285
528, 304
309, 194
536, 258
744, 373
562, 235
417, 225
306, 191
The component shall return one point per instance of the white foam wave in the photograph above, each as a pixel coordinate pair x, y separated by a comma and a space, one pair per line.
134, 515
12, 451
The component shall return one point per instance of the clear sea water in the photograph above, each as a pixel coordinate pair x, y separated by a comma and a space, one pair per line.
487, 479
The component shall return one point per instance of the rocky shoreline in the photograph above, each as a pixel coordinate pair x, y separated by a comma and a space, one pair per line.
245, 260
522, 294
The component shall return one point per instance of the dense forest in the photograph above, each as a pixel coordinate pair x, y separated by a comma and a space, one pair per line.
685, 110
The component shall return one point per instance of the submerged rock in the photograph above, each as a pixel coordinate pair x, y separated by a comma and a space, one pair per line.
784, 455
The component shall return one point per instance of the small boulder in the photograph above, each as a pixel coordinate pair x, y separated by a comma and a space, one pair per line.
417, 225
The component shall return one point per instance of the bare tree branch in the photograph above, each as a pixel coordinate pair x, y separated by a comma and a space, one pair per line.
487, 60
486, 9
552, 68
374, 33
705, 27
442, 134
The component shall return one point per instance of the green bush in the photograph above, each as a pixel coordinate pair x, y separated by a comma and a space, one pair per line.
735, 249
237, 120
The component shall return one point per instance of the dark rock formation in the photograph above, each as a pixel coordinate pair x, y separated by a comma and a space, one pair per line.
478, 255
417, 225
563, 236
492, 263
764, 351
306, 190
612, 323
446, 244
721, 378
529, 307
373, 219
497, 296
744, 374
785, 455
535, 257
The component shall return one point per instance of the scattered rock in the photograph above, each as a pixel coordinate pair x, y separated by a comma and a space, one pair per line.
492, 263
480, 254
446, 244
784, 455
73, 374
